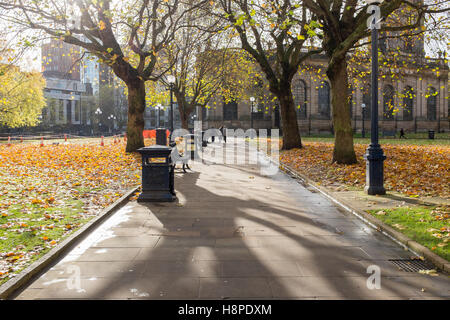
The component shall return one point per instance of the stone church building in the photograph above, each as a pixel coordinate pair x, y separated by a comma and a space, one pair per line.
416, 101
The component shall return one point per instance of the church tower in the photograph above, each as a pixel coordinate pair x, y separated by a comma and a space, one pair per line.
405, 44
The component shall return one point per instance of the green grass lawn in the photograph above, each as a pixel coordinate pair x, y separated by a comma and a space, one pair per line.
429, 226
412, 139
28, 231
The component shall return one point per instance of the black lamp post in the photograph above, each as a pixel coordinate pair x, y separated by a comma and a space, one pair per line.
171, 80
374, 155
112, 118
158, 108
98, 112
252, 100
363, 109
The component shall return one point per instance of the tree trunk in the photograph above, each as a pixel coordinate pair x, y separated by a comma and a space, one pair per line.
184, 121
183, 114
343, 152
183, 109
291, 134
136, 108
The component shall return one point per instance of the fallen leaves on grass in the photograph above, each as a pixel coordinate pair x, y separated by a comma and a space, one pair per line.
48, 192
399, 226
409, 169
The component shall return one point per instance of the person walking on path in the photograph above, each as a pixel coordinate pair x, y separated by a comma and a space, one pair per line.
223, 130
402, 134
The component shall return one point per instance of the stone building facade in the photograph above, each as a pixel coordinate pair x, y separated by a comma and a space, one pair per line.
417, 102
64, 102
73, 84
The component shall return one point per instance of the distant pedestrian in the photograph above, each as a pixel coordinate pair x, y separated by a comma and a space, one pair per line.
223, 132
402, 133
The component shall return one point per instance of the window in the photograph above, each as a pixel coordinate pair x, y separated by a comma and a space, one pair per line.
152, 122
61, 110
230, 111
431, 104
388, 102
367, 100
45, 114
69, 111
324, 99
87, 115
257, 112
299, 93
408, 96
77, 110
204, 115
52, 109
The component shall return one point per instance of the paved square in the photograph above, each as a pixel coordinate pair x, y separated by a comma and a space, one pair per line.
233, 234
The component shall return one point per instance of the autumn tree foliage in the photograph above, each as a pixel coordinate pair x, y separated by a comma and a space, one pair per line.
205, 69
126, 35
343, 26
277, 34
403, 52
21, 97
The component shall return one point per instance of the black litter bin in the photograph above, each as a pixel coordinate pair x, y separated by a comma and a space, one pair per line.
431, 134
157, 174
161, 137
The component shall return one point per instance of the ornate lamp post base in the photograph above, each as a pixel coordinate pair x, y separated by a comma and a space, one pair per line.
374, 170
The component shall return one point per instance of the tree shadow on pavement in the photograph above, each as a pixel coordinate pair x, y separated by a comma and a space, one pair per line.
220, 241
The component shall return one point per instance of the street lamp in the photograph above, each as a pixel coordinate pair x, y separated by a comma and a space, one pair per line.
171, 80
252, 100
374, 154
363, 109
159, 107
113, 118
98, 112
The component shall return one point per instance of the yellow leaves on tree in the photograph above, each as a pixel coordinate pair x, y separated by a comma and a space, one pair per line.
21, 97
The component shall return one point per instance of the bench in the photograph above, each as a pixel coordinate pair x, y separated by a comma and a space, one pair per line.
173, 145
387, 133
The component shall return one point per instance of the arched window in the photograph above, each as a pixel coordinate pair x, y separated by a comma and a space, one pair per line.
230, 111
299, 93
258, 110
431, 104
388, 102
204, 114
408, 96
324, 99
367, 100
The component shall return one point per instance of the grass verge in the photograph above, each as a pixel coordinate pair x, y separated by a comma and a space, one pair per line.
428, 226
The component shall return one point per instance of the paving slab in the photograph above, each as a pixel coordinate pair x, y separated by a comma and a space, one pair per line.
234, 233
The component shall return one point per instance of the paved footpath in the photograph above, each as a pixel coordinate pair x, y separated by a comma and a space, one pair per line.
234, 233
